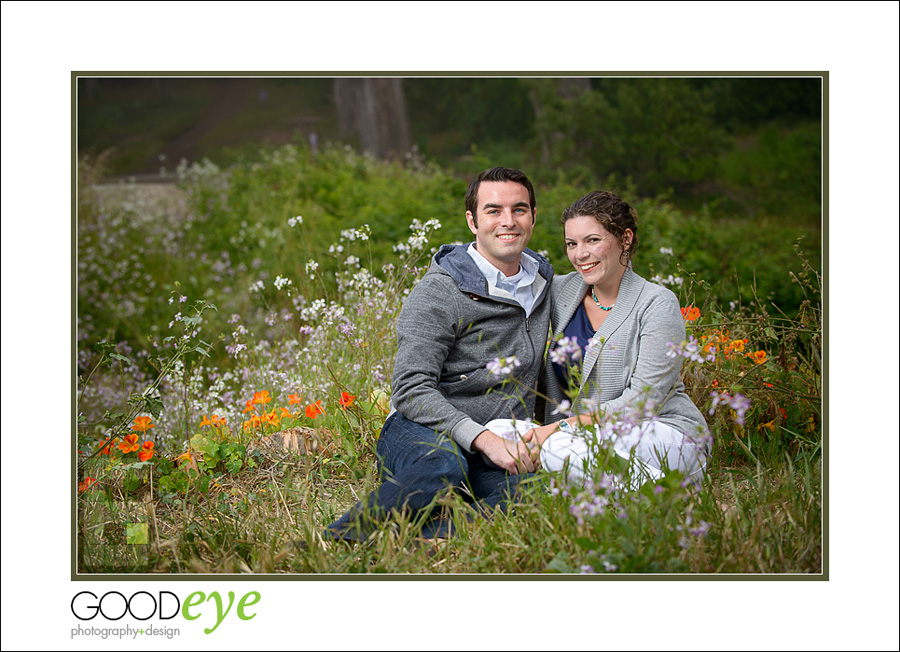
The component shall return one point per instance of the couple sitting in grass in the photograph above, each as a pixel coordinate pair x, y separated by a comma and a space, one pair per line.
471, 341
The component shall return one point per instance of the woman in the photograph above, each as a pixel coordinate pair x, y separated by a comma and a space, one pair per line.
619, 374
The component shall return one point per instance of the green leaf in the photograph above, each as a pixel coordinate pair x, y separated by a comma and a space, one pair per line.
132, 481
137, 534
587, 544
559, 565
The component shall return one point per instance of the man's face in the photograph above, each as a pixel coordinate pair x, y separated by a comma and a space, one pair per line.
505, 223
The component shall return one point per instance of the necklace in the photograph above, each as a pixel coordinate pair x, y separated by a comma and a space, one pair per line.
597, 301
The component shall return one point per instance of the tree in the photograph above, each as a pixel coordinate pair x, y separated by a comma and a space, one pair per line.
373, 109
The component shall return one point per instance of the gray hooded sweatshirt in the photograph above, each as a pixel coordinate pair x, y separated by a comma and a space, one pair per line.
450, 328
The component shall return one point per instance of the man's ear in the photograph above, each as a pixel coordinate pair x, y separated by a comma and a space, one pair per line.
470, 220
533, 216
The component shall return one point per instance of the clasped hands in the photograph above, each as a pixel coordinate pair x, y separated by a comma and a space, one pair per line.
520, 455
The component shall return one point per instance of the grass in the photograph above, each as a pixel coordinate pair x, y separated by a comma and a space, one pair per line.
212, 299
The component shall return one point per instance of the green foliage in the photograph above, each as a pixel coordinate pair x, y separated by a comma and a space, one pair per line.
772, 173
659, 132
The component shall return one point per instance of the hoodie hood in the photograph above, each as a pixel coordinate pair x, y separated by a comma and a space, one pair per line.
455, 261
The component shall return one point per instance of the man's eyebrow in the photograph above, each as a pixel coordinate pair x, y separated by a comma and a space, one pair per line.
516, 205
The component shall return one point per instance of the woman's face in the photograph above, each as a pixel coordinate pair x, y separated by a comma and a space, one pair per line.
594, 252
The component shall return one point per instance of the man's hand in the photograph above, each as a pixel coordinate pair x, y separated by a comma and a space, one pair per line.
519, 456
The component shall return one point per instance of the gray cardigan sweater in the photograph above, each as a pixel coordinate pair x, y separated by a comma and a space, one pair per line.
631, 364
448, 331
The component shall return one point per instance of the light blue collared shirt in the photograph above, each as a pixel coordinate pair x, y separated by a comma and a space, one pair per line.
519, 287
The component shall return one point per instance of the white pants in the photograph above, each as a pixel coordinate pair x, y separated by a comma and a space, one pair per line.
652, 447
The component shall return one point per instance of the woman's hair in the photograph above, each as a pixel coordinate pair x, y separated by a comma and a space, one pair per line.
613, 213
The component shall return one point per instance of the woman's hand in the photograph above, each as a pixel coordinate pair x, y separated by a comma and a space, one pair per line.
539, 435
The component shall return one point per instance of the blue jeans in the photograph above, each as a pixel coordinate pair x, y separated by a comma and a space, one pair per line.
416, 464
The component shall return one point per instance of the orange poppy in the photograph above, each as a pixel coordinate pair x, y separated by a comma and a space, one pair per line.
758, 357
249, 406
107, 450
294, 399
142, 424
130, 444
286, 414
690, 313
147, 451
84, 484
262, 397
346, 400
314, 410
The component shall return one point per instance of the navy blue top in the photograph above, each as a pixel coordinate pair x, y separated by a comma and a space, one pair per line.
579, 329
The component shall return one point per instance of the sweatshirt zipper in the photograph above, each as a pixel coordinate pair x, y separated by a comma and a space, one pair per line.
533, 354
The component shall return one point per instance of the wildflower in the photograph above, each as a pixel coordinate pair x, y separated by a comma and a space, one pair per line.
286, 414
216, 421
759, 357
311, 266
270, 418
666, 251
739, 403
107, 450
769, 426
587, 568
141, 424
314, 410
147, 451
184, 457
130, 444
86, 483
259, 286
567, 349
281, 282
563, 408
700, 530
690, 313
346, 400
502, 366
294, 399
249, 407
608, 567
737, 345
262, 397
690, 350
590, 405
294, 221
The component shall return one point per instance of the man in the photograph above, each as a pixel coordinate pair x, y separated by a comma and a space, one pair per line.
477, 303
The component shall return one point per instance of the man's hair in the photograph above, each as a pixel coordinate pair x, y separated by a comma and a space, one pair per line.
497, 174
611, 211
